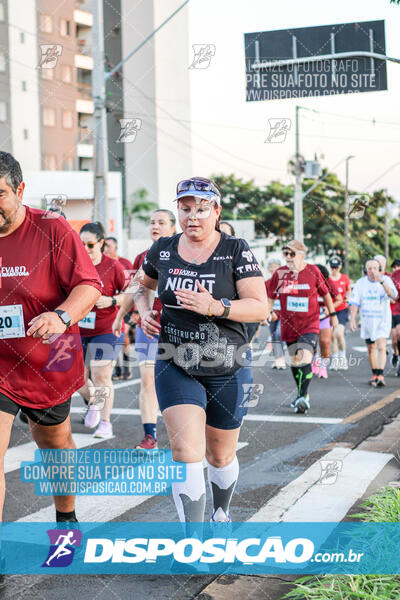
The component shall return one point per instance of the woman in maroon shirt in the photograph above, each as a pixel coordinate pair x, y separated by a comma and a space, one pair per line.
100, 346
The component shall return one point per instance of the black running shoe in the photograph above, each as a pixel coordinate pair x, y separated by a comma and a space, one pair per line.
302, 404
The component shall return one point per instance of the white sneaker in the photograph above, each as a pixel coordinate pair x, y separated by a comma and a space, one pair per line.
104, 431
334, 363
343, 365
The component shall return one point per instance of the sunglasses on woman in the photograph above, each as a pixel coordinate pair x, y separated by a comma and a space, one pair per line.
290, 253
199, 184
90, 245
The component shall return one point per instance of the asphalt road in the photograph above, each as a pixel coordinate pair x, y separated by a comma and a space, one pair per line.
277, 446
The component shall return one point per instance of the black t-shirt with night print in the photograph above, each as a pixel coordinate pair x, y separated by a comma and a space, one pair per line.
201, 345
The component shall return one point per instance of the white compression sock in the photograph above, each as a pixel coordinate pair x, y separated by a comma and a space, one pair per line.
190, 495
222, 484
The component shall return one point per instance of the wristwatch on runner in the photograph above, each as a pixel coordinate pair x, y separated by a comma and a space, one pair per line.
333, 314
227, 307
64, 316
114, 301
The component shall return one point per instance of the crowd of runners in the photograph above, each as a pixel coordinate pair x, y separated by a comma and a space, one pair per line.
185, 312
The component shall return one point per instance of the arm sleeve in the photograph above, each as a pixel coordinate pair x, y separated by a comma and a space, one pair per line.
355, 297
73, 264
244, 262
150, 262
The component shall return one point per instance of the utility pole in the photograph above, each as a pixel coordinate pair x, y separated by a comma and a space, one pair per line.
298, 196
386, 227
346, 218
100, 207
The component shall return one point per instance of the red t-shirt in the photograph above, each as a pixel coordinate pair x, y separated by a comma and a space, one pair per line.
126, 264
334, 292
298, 294
41, 262
137, 263
113, 281
342, 284
396, 280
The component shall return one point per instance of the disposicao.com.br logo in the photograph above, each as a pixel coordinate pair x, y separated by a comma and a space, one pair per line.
189, 550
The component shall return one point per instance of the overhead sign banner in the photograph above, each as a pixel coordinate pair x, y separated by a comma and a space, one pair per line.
315, 61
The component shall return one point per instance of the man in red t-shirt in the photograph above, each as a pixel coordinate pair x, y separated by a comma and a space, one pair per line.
342, 282
111, 250
47, 284
395, 308
298, 286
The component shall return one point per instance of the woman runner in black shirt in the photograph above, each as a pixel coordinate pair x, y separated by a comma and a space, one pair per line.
209, 285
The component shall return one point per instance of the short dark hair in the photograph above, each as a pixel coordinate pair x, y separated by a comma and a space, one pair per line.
110, 237
97, 229
11, 170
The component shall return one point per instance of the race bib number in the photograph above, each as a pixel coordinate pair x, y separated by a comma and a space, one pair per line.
12, 321
297, 304
277, 304
89, 321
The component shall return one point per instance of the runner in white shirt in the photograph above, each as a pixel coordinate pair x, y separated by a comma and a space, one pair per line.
372, 294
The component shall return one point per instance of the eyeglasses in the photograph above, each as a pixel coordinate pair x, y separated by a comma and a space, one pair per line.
197, 183
290, 253
90, 245
202, 210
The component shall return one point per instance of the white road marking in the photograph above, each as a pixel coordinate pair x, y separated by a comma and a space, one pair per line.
270, 418
306, 500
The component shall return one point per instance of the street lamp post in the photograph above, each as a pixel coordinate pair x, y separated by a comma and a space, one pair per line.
346, 218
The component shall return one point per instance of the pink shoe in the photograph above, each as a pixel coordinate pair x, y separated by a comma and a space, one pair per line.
92, 417
323, 373
104, 430
315, 367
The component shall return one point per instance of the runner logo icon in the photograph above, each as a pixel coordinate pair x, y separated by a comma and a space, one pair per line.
62, 547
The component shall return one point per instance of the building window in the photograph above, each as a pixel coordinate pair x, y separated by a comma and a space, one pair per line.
1, 11
49, 117
3, 112
64, 27
66, 73
25, 134
22, 37
46, 24
49, 162
67, 119
23, 83
2, 61
47, 73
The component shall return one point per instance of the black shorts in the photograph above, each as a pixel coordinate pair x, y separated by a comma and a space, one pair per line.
343, 316
307, 341
54, 415
395, 321
368, 341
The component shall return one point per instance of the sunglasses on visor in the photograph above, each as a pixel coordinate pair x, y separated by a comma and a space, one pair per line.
199, 184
